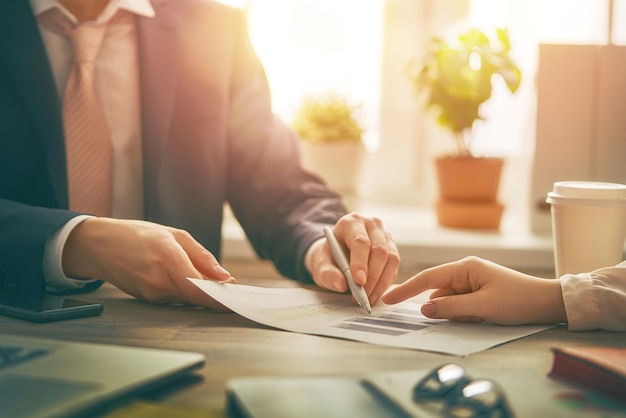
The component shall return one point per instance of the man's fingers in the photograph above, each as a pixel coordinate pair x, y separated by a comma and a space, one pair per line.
359, 257
351, 231
203, 260
381, 247
180, 288
331, 277
325, 272
197, 297
192, 294
388, 275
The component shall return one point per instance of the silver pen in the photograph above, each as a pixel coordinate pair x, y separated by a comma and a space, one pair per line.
342, 261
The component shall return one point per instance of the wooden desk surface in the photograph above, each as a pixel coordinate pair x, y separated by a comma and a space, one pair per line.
237, 347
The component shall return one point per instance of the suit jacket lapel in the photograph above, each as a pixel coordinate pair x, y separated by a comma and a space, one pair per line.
158, 41
25, 56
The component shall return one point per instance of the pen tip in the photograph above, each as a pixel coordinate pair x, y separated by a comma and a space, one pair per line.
366, 307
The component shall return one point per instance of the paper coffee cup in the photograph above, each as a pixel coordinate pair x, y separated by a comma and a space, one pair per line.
588, 225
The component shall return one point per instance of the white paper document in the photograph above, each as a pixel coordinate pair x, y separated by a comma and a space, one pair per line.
337, 315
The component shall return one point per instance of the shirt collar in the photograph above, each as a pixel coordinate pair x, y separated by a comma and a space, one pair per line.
139, 7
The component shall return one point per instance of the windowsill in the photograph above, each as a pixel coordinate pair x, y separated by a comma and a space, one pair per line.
423, 243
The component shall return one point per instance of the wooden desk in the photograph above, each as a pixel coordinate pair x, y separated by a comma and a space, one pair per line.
235, 346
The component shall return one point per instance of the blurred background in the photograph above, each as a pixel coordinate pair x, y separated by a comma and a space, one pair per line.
558, 126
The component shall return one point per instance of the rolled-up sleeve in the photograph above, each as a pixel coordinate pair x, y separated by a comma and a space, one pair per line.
596, 300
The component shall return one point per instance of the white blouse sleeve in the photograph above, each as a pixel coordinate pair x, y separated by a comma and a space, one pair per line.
596, 300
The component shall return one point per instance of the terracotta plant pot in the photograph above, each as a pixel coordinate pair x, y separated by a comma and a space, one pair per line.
468, 189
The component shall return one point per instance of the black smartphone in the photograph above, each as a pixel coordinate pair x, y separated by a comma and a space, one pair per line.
47, 308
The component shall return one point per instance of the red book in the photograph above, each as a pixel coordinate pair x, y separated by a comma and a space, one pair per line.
597, 368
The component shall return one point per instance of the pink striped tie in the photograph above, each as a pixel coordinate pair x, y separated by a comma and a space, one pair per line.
87, 137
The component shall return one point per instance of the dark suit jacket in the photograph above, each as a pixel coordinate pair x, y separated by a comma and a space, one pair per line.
209, 137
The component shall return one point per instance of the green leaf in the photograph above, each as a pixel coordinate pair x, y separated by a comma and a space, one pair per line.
456, 79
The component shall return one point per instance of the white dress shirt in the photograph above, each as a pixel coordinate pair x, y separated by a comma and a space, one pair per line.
117, 86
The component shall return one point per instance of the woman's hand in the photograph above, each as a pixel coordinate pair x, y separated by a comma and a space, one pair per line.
474, 290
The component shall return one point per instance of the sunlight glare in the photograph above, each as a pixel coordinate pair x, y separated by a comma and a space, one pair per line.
311, 48
475, 61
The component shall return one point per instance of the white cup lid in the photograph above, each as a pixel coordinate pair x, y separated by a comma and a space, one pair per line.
588, 192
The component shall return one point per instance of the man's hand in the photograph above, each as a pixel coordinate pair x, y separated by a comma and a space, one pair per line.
146, 260
374, 258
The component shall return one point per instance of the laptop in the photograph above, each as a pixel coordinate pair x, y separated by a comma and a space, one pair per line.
41, 377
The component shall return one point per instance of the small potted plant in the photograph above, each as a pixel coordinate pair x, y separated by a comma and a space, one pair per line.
455, 79
332, 145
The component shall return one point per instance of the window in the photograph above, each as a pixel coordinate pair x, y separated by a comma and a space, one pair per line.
318, 47
360, 48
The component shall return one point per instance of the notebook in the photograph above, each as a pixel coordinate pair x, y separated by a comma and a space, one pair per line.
52, 378
390, 394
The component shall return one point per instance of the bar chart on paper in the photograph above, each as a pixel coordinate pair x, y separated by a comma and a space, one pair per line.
337, 315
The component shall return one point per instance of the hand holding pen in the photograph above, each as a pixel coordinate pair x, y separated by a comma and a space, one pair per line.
368, 249
344, 265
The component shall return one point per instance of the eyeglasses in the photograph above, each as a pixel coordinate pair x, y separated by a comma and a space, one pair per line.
462, 396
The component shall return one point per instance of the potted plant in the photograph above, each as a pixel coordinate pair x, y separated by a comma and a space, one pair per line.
332, 145
455, 79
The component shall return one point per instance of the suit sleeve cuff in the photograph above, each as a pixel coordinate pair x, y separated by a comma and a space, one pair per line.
56, 280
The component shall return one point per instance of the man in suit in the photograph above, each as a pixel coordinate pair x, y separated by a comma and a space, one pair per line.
188, 111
